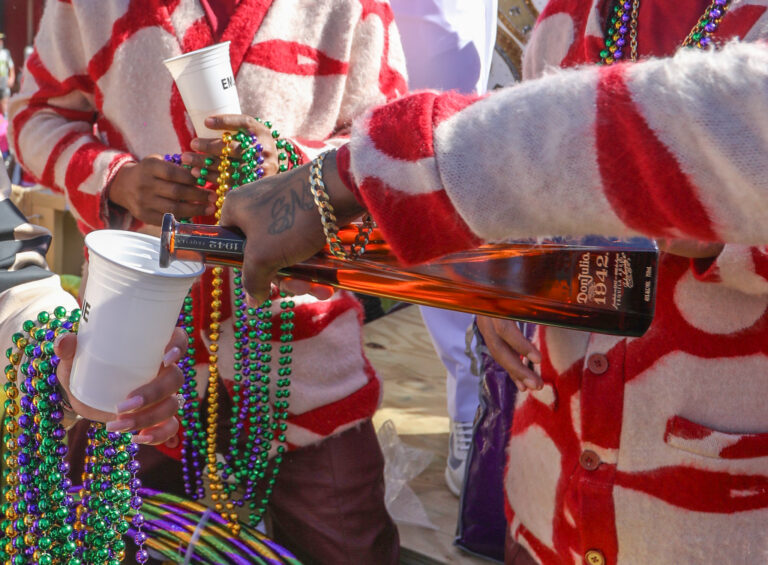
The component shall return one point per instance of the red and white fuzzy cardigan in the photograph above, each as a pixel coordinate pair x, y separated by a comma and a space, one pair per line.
651, 450
310, 66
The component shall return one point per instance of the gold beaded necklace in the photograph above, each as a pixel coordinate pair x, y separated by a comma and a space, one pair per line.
622, 24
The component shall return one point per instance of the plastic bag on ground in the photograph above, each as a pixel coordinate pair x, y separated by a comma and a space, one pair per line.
401, 464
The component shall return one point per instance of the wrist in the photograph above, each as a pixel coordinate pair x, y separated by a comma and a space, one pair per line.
344, 201
114, 192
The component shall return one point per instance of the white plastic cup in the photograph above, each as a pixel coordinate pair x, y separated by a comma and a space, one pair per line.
206, 83
128, 314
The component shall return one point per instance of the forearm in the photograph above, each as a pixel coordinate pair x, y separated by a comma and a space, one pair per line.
51, 120
76, 163
613, 151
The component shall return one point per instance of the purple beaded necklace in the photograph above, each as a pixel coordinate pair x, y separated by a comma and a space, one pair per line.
621, 32
41, 521
254, 424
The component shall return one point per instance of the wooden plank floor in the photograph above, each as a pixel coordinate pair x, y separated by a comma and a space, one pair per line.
399, 347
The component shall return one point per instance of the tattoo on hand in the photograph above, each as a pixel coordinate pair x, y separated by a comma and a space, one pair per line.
284, 209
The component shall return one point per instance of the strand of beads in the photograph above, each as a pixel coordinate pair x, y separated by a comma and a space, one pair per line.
193, 442
218, 496
287, 158
252, 382
251, 407
41, 522
109, 493
623, 22
708, 23
245, 350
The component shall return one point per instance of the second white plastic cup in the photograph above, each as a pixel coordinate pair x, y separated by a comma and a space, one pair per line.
206, 83
128, 314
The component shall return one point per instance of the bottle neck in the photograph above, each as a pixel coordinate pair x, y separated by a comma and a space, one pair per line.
199, 242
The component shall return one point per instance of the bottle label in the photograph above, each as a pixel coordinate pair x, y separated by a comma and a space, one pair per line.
207, 244
604, 278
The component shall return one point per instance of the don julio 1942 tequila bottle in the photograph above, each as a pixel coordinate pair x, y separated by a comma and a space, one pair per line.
593, 284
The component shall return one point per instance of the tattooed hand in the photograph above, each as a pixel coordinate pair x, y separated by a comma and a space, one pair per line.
281, 223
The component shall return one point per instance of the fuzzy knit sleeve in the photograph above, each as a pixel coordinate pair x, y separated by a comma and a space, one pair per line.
376, 74
672, 147
51, 120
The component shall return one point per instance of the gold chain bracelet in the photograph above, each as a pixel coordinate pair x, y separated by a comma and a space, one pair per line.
328, 216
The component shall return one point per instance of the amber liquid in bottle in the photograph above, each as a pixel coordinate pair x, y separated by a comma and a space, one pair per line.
593, 284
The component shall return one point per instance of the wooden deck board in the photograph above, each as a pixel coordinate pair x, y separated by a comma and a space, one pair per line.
400, 349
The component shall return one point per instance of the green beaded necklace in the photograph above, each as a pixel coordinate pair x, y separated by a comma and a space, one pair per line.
247, 463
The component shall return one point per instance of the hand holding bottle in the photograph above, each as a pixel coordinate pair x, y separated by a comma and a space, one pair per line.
281, 223
509, 347
690, 248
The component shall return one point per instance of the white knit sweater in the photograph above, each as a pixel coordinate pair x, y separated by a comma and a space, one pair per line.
97, 95
637, 451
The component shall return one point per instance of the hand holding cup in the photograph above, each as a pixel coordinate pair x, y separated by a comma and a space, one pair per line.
150, 410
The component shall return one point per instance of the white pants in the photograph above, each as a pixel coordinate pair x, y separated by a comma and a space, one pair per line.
448, 331
448, 45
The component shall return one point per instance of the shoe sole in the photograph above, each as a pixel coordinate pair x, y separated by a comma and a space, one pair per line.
455, 490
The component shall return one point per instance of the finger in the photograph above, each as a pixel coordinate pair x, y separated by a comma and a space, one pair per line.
65, 347
160, 433
211, 175
146, 417
256, 282
258, 272
296, 286
235, 122
523, 377
213, 147
505, 356
184, 193
178, 341
161, 169
162, 387
511, 334
206, 146
199, 161
321, 291
162, 206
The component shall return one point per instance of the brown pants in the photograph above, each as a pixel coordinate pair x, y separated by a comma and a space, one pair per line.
327, 506
328, 503
516, 554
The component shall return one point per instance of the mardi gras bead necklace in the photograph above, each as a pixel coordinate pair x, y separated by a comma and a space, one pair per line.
248, 466
193, 445
622, 26
257, 429
41, 522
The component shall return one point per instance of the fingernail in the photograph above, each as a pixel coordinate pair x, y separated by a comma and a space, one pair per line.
194, 144
172, 442
171, 356
534, 357
250, 301
141, 439
120, 425
532, 384
132, 403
